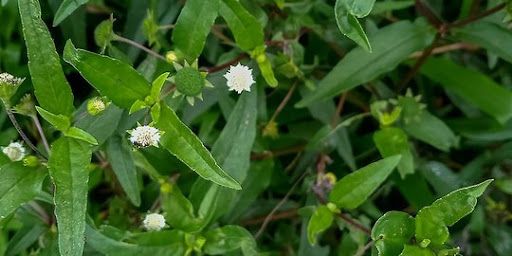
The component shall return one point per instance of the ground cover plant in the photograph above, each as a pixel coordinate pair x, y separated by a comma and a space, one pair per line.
256, 127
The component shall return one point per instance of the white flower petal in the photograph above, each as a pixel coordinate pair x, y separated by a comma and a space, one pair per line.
239, 78
15, 151
154, 222
145, 136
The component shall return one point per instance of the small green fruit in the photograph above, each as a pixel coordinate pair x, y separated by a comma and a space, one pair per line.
189, 81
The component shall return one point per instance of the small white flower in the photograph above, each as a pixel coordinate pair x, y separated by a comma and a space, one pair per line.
15, 151
145, 136
8, 79
239, 78
154, 222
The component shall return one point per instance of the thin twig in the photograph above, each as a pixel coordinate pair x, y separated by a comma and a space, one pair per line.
285, 198
362, 250
446, 48
140, 46
283, 102
41, 133
23, 135
476, 17
339, 109
278, 216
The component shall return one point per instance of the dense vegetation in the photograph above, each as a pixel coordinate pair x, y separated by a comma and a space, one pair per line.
256, 127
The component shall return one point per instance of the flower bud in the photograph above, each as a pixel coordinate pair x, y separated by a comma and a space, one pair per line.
15, 151
154, 222
96, 105
26, 106
8, 86
31, 161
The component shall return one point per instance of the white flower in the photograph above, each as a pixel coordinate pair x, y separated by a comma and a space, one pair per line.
15, 151
8, 79
154, 222
145, 136
239, 78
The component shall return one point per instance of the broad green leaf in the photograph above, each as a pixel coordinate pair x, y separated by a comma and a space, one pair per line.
432, 221
112, 78
65, 9
393, 141
222, 240
353, 189
60, 122
184, 144
392, 231
172, 244
320, 221
472, 86
175, 204
440, 177
80, 134
68, 169
391, 45
422, 125
413, 250
493, 37
350, 26
120, 158
232, 150
358, 8
18, 185
245, 27
50, 86
193, 26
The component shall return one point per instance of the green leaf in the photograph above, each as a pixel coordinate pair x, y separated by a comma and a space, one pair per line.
50, 86
175, 204
387, 6
68, 168
120, 157
392, 231
24, 238
18, 185
112, 78
184, 144
413, 250
60, 122
245, 27
320, 221
65, 9
391, 45
493, 37
222, 240
350, 27
156, 86
432, 221
422, 125
80, 134
472, 86
353, 189
393, 141
101, 126
193, 26
358, 8
170, 243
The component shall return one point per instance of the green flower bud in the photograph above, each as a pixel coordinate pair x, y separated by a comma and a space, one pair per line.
189, 81
31, 161
8, 86
26, 106
96, 105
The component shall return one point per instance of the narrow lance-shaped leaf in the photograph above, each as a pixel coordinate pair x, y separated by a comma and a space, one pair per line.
391, 45
178, 139
353, 189
112, 78
472, 86
359, 8
18, 185
50, 86
68, 169
493, 37
432, 221
246, 29
193, 26
65, 9
121, 159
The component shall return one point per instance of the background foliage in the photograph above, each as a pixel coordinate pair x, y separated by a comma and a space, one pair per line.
362, 115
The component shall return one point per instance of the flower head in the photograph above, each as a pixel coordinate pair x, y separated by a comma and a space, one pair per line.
10, 80
8, 86
154, 222
239, 78
15, 151
96, 105
145, 136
